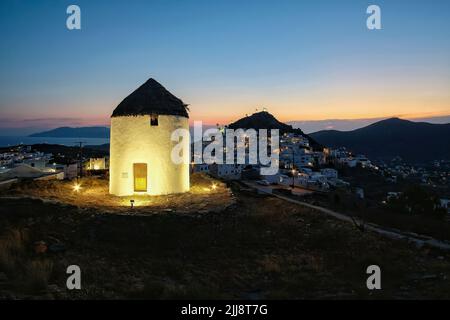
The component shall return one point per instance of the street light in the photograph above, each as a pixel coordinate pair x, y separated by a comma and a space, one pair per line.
293, 168
293, 178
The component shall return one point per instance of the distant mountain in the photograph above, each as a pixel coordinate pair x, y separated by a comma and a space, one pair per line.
265, 120
386, 139
81, 132
309, 126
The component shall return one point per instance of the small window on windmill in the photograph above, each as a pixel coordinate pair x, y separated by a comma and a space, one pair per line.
154, 120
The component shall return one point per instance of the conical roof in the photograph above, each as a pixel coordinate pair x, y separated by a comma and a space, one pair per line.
151, 98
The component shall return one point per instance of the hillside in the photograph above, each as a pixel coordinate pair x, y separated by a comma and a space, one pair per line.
386, 139
81, 132
260, 248
265, 120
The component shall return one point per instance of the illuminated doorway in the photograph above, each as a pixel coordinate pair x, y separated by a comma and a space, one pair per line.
140, 177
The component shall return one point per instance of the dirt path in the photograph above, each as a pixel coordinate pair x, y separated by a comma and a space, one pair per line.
418, 240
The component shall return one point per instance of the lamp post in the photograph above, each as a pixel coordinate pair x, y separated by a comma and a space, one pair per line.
293, 168
80, 158
293, 178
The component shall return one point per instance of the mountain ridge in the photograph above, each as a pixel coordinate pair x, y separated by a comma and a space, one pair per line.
310, 126
389, 138
74, 132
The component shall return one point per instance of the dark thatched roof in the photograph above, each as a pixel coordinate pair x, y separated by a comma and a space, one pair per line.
151, 98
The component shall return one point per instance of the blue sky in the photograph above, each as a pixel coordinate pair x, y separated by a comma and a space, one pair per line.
303, 60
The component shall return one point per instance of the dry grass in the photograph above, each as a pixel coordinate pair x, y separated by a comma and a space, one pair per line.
271, 264
27, 273
38, 274
262, 248
206, 193
12, 249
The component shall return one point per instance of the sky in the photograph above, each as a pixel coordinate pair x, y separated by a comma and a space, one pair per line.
304, 61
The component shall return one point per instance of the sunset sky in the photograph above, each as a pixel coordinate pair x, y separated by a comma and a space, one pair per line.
302, 61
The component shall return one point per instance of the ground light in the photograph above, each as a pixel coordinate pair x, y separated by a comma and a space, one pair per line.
76, 187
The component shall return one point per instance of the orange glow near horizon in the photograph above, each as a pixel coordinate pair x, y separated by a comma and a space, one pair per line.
223, 120
317, 117
313, 107
343, 94
331, 102
282, 114
302, 61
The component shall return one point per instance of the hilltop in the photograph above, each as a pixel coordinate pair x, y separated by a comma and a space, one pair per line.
265, 120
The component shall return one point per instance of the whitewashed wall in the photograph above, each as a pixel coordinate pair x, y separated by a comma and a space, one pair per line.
134, 140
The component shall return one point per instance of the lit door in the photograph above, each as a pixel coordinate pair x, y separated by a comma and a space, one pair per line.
140, 177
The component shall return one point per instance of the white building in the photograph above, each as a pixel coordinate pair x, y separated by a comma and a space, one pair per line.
226, 171
338, 153
38, 163
141, 143
70, 170
294, 139
297, 155
24, 171
329, 173
97, 164
202, 167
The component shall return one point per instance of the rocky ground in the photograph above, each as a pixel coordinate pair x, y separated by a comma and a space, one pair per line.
206, 195
259, 247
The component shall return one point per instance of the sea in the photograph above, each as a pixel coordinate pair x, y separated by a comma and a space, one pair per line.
13, 141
